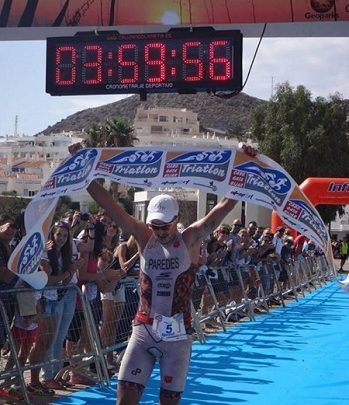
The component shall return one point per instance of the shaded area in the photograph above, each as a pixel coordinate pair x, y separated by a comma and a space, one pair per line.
292, 354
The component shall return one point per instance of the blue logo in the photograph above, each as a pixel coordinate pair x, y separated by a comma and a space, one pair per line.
76, 169
30, 257
135, 164
311, 218
216, 156
136, 157
276, 180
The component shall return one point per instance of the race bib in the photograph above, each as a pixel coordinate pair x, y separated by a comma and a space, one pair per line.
169, 329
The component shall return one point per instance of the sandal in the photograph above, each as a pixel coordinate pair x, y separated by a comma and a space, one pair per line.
66, 383
40, 390
15, 392
53, 384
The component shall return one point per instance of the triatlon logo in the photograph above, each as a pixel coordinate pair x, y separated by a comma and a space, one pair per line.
322, 6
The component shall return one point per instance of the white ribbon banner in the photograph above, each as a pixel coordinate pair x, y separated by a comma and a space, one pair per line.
225, 172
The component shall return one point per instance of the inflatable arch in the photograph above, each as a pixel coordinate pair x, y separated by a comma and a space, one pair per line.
321, 190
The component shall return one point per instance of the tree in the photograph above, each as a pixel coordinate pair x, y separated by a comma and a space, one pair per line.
12, 205
114, 132
308, 138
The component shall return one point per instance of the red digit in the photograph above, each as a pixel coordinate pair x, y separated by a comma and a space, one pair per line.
92, 70
219, 67
195, 63
128, 68
159, 62
65, 65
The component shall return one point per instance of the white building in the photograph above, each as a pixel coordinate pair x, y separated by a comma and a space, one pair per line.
26, 162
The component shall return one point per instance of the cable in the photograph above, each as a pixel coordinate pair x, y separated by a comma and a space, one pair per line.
234, 93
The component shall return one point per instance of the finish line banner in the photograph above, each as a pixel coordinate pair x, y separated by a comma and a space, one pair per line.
225, 172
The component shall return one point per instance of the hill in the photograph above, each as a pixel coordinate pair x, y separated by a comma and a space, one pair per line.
229, 115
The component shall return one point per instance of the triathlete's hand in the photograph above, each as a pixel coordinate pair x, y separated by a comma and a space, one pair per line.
74, 148
248, 149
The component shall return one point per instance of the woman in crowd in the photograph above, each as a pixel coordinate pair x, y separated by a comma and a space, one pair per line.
57, 263
126, 294
111, 238
111, 307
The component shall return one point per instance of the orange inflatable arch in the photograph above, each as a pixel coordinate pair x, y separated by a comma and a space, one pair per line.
320, 190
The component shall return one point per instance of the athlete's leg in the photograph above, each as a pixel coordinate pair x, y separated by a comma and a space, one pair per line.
169, 397
129, 393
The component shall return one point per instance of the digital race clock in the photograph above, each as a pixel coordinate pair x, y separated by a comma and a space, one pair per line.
180, 60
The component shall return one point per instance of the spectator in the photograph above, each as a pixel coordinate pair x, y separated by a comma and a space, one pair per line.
112, 308
7, 278
286, 259
343, 252
57, 263
278, 239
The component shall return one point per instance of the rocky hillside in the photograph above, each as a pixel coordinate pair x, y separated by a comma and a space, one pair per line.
231, 115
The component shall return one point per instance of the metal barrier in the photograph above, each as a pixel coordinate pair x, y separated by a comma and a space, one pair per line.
98, 330
254, 290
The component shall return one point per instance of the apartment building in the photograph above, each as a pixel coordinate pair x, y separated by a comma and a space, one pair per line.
26, 162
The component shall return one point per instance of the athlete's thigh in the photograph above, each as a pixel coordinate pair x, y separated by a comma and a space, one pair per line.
137, 363
174, 364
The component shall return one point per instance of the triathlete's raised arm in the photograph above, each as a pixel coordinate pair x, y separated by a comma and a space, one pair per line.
200, 229
125, 221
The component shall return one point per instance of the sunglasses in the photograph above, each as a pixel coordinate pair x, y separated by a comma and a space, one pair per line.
164, 227
62, 224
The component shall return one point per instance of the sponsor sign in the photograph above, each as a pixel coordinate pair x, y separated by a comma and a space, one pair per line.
229, 173
267, 185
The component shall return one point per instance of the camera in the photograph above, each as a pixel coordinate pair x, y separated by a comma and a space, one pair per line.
85, 216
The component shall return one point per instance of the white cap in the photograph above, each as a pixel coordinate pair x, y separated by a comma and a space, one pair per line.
163, 207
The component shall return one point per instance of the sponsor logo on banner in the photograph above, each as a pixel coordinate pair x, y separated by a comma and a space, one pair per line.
73, 171
338, 187
133, 163
307, 216
212, 165
251, 176
322, 10
31, 253
322, 6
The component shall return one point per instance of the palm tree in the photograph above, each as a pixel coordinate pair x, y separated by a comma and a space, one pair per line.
120, 133
115, 132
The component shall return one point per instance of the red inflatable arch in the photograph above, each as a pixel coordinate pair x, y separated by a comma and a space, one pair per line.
320, 190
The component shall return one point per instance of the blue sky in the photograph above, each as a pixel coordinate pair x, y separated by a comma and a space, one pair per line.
320, 64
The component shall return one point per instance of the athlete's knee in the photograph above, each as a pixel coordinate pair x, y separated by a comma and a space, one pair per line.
129, 393
130, 386
168, 397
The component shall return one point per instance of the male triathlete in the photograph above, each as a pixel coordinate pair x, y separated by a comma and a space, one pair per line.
169, 260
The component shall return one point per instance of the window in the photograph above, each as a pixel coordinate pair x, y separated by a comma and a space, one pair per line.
178, 119
163, 118
156, 129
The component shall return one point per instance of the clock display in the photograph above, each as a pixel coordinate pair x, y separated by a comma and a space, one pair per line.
175, 61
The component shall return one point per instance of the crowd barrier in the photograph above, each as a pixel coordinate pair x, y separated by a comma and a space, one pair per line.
99, 328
